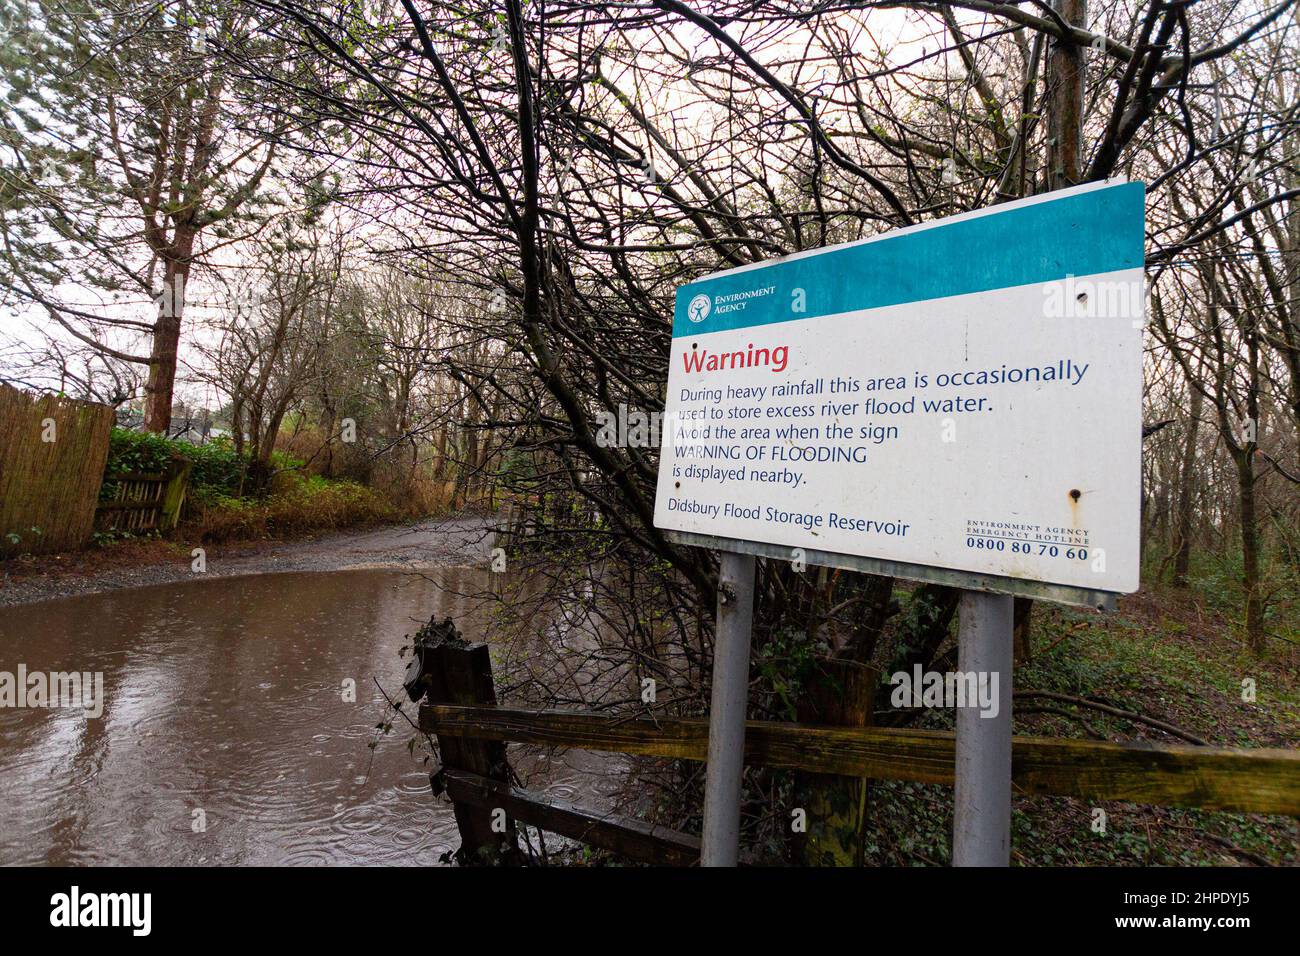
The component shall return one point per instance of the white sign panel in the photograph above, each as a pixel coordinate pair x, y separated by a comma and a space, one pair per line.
964, 395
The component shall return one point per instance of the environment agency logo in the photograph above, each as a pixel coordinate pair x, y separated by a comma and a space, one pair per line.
699, 308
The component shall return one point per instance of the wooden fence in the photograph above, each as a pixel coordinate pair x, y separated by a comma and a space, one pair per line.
52, 454
460, 708
143, 502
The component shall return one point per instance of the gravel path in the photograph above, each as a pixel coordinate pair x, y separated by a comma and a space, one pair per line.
455, 541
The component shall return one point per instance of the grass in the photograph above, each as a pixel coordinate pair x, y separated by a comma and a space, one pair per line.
1167, 653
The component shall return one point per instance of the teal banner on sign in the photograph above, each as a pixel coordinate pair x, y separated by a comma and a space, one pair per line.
1092, 232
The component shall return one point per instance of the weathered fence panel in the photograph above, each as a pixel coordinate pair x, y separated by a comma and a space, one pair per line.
52, 455
144, 502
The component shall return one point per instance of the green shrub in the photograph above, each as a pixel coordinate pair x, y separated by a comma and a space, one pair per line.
216, 466
131, 451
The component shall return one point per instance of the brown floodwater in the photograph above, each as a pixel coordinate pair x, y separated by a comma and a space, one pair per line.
224, 705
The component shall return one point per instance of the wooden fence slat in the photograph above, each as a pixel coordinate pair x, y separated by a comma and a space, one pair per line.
1212, 778
172, 497
635, 839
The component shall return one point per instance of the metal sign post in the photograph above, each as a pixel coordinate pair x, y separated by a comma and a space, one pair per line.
720, 845
981, 825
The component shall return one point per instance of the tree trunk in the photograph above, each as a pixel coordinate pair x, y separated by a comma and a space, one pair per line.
1186, 499
841, 693
162, 373
1065, 76
166, 345
1022, 616
1250, 552
328, 422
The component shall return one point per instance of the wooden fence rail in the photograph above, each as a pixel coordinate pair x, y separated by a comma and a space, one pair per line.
1212, 778
626, 836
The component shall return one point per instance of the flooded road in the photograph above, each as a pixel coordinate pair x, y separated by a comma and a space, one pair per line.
226, 736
